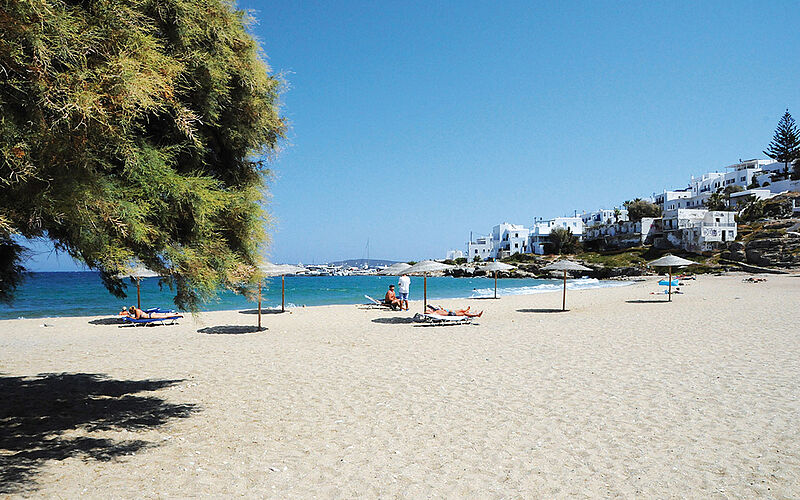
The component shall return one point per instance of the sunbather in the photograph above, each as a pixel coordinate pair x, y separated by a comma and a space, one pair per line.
441, 311
136, 313
391, 299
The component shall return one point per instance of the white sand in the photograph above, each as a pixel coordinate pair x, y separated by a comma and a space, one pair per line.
697, 398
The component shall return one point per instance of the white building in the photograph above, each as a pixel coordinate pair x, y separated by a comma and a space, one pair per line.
698, 230
454, 254
604, 216
669, 200
739, 174
740, 199
701, 188
481, 247
508, 239
540, 231
772, 177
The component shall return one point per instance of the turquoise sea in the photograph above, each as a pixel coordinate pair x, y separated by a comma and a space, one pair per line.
83, 294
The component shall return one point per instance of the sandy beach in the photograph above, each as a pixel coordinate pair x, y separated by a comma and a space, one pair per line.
624, 396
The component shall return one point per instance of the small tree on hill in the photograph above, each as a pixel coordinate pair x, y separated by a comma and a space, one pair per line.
562, 241
785, 145
716, 201
639, 208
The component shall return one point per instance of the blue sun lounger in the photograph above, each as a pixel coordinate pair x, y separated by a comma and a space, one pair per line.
162, 321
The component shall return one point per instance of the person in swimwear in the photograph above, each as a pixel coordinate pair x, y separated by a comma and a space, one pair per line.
446, 312
391, 299
136, 313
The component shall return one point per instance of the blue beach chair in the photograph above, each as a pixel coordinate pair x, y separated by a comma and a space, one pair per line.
162, 321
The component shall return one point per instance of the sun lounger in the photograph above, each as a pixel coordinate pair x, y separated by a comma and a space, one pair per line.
163, 321
438, 319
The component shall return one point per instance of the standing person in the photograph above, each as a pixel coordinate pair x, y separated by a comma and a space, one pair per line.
403, 287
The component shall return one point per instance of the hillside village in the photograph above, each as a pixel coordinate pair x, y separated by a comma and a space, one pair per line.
745, 213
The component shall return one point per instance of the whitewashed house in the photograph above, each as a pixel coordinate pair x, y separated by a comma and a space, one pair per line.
604, 216
740, 199
698, 230
670, 200
540, 231
508, 239
454, 254
739, 174
481, 248
772, 177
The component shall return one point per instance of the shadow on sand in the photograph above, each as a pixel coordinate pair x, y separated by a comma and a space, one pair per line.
231, 329
541, 310
397, 320
38, 413
647, 301
107, 321
264, 311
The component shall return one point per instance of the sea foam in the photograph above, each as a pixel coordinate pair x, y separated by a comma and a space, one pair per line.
556, 285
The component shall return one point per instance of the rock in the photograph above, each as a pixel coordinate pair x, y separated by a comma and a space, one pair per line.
739, 256
736, 246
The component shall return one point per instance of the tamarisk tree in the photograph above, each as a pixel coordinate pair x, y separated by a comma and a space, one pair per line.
135, 131
785, 145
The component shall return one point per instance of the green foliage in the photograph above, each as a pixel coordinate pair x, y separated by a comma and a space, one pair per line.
752, 211
411, 262
629, 257
137, 131
461, 260
561, 240
638, 208
785, 145
720, 200
449, 262
717, 201
476, 259
521, 257
779, 207
639, 257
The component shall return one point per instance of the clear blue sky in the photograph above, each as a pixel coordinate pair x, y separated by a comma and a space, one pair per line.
414, 123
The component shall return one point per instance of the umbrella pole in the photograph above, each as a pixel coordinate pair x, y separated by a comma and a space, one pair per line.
424, 293
259, 304
670, 285
564, 297
138, 294
495, 284
283, 293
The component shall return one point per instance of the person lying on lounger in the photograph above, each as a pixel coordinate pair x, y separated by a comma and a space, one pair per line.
136, 313
391, 299
441, 311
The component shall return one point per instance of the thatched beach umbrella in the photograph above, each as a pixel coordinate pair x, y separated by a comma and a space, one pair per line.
669, 261
423, 268
565, 265
497, 266
394, 269
270, 269
136, 274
